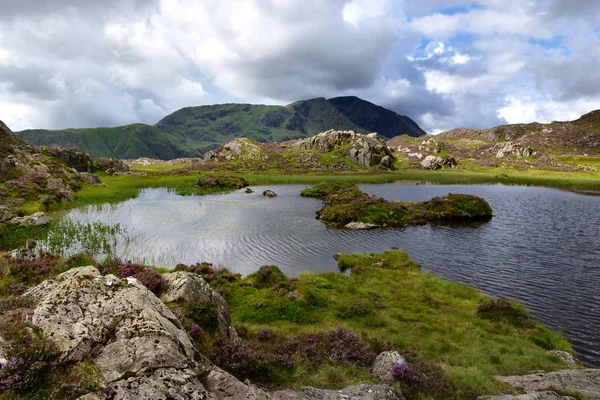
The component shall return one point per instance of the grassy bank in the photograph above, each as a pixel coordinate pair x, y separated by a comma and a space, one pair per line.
391, 305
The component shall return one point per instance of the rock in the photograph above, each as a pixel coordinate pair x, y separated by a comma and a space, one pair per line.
109, 165
36, 219
584, 381
89, 271
192, 288
430, 146
90, 179
360, 225
567, 358
3, 355
236, 149
163, 384
360, 392
367, 150
73, 158
225, 386
5, 214
117, 324
433, 162
387, 162
269, 193
549, 395
382, 366
248, 190
510, 148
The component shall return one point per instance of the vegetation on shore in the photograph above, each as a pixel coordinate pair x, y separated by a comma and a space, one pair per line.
454, 337
345, 203
321, 330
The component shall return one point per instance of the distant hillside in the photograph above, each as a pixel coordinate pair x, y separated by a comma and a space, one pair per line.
192, 131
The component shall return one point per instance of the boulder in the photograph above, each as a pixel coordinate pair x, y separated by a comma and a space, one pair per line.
360, 392
584, 381
225, 386
109, 165
269, 193
238, 148
360, 225
72, 158
509, 148
382, 366
430, 146
118, 324
192, 288
433, 162
549, 395
90, 179
36, 219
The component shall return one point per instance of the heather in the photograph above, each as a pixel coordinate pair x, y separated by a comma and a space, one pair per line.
345, 203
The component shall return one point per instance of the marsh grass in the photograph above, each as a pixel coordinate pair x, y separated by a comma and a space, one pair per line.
387, 299
69, 237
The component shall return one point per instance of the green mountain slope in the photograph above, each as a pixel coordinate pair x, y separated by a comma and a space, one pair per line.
192, 131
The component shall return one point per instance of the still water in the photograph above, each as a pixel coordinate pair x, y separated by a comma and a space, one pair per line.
542, 247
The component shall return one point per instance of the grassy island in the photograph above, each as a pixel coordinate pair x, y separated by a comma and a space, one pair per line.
345, 203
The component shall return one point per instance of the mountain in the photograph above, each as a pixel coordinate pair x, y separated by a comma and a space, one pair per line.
192, 131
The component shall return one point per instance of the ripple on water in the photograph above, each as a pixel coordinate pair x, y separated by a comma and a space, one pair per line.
540, 248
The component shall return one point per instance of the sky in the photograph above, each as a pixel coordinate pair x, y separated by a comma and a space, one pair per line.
444, 63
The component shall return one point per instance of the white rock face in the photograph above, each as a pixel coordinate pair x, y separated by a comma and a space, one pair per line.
382, 366
36, 219
584, 381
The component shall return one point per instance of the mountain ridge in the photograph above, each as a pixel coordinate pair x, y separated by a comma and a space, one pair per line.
193, 131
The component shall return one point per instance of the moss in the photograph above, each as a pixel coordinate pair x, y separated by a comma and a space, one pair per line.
220, 181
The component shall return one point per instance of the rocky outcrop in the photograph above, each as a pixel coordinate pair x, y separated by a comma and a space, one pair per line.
382, 366
238, 148
431, 145
109, 165
73, 158
433, 162
585, 382
360, 392
192, 288
510, 149
28, 175
549, 395
366, 150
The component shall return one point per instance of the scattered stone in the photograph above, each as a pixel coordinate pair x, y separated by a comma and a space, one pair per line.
36, 219
269, 193
567, 358
584, 381
360, 225
382, 366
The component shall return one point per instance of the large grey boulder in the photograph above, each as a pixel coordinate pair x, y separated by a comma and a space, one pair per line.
192, 288
509, 148
360, 392
433, 162
584, 381
382, 366
116, 323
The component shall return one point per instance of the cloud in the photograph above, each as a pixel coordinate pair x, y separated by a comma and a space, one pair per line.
445, 63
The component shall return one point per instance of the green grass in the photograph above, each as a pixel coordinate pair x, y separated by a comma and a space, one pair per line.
397, 303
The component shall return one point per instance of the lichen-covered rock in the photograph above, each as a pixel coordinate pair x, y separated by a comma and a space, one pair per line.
90, 179
73, 158
118, 324
567, 358
5, 214
192, 288
360, 225
238, 148
510, 148
382, 366
433, 162
162, 384
367, 150
583, 381
225, 386
430, 145
269, 193
109, 165
360, 392
36, 219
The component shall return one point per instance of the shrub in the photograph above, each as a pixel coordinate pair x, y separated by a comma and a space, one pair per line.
240, 360
338, 345
404, 373
355, 308
148, 277
205, 313
268, 276
432, 379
